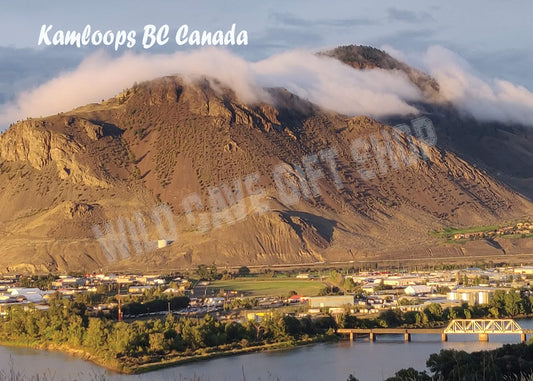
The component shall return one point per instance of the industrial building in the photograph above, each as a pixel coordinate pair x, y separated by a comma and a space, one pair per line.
472, 295
331, 301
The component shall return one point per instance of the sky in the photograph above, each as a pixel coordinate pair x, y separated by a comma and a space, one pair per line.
493, 37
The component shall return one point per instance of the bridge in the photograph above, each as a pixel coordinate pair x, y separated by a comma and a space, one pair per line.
480, 327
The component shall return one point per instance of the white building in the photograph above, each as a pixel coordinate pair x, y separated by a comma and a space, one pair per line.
139, 289
331, 301
401, 281
472, 295
33, 295
528, 270
417, 290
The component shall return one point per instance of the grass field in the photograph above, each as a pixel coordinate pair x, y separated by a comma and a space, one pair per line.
270, 287
450, 231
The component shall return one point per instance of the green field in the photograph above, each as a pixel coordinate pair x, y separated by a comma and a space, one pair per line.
450, 231
270, 287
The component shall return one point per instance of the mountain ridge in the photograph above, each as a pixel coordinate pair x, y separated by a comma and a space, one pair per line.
163, 141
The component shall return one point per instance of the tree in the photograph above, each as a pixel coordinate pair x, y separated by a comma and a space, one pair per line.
336, 278
75, 331
234, 332
443, 290
157, 342
96, 335
410, 317
404, 302
498, 300
449, 364
119, 339
207, 272
433, 312
348, 321
409, 374
494, 312
512, 303
349, 284
243, 271
390, 318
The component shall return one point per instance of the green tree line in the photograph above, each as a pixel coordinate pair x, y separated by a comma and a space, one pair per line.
510, 362
503, 304
139, 342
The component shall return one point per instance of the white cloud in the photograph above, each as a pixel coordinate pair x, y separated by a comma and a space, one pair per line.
484, 99
100, 76
335, 86
321, 80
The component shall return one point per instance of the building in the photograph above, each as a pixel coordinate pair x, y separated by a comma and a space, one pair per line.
331, 301
139, 289
32, 295
527, 270
68, 282
258, 316
402, 281
417, 290
161, 243
214, 302
369, 288
471, 295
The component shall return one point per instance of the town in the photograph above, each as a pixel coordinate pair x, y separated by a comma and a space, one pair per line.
242, 295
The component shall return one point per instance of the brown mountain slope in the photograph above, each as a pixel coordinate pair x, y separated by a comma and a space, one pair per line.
504, 150
165, 140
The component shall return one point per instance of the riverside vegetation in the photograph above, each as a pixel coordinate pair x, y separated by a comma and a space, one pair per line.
145, 345
512, 362
503, 305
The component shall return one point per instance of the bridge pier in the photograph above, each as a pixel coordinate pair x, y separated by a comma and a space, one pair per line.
480, 327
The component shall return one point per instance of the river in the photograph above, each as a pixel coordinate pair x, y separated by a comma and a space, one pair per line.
368, 361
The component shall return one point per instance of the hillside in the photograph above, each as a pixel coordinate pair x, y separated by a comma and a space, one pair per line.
504, 150
164, 140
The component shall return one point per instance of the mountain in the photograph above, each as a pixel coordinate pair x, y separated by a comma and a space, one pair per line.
504, 150
367, 57
104, 166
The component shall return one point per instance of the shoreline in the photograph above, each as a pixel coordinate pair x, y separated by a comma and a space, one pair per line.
69, 351
174, 361
116, 366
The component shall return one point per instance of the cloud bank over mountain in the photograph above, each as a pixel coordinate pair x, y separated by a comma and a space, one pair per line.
321, 80
484, 99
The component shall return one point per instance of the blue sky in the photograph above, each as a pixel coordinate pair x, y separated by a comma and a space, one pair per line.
493, 36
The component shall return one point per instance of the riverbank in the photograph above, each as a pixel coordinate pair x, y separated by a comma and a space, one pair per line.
116, 366
71, 351
285, 345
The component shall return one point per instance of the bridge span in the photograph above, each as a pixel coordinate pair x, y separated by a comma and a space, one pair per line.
480, 327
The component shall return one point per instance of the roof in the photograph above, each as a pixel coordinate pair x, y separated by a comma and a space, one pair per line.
417, 289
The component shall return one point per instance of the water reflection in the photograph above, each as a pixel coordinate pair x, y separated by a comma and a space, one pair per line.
332, 361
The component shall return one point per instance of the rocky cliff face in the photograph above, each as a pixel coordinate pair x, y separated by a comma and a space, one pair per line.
32, 142
167, 141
